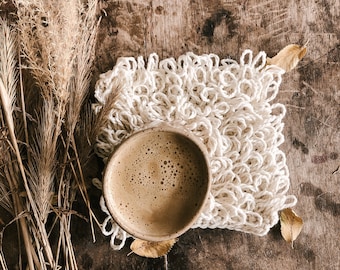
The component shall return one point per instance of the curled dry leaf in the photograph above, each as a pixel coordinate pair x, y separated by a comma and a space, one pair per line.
291, 225
151, 249
288, 57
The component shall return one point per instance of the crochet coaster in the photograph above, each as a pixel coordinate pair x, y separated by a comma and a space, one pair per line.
229, 106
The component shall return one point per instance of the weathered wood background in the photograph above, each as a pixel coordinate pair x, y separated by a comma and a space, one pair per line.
310, 92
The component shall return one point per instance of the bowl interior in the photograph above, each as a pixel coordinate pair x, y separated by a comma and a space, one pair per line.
156, 183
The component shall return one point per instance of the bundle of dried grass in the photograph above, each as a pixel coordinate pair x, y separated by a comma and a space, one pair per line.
57, 40
10, 170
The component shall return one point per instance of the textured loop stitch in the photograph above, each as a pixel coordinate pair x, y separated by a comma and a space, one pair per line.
109, 227
228, 106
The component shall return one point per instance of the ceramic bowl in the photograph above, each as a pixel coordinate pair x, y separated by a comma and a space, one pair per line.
156, 183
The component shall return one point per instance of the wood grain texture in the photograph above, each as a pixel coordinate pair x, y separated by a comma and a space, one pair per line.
311, 93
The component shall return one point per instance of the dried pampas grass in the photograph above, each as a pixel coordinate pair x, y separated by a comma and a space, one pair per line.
57, 41
8, 80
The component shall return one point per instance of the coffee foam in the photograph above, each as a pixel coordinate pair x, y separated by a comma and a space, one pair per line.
159, 183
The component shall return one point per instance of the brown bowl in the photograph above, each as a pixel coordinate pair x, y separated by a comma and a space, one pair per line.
156, 183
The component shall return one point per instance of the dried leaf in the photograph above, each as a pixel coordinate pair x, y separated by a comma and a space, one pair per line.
288, 57
151, 249
291, 225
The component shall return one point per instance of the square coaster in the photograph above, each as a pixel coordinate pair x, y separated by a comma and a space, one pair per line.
229, 106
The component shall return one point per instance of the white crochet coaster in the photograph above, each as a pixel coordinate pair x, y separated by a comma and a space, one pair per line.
229, 106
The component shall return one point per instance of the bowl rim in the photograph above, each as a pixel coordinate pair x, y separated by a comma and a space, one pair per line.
109, 168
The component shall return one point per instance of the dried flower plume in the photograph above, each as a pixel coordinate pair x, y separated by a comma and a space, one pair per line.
57, 40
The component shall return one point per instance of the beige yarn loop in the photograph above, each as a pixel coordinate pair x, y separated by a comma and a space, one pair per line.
229, 106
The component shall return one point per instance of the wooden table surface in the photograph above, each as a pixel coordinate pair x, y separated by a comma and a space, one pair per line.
310, 92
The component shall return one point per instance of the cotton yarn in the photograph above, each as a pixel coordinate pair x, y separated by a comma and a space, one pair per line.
229, 106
